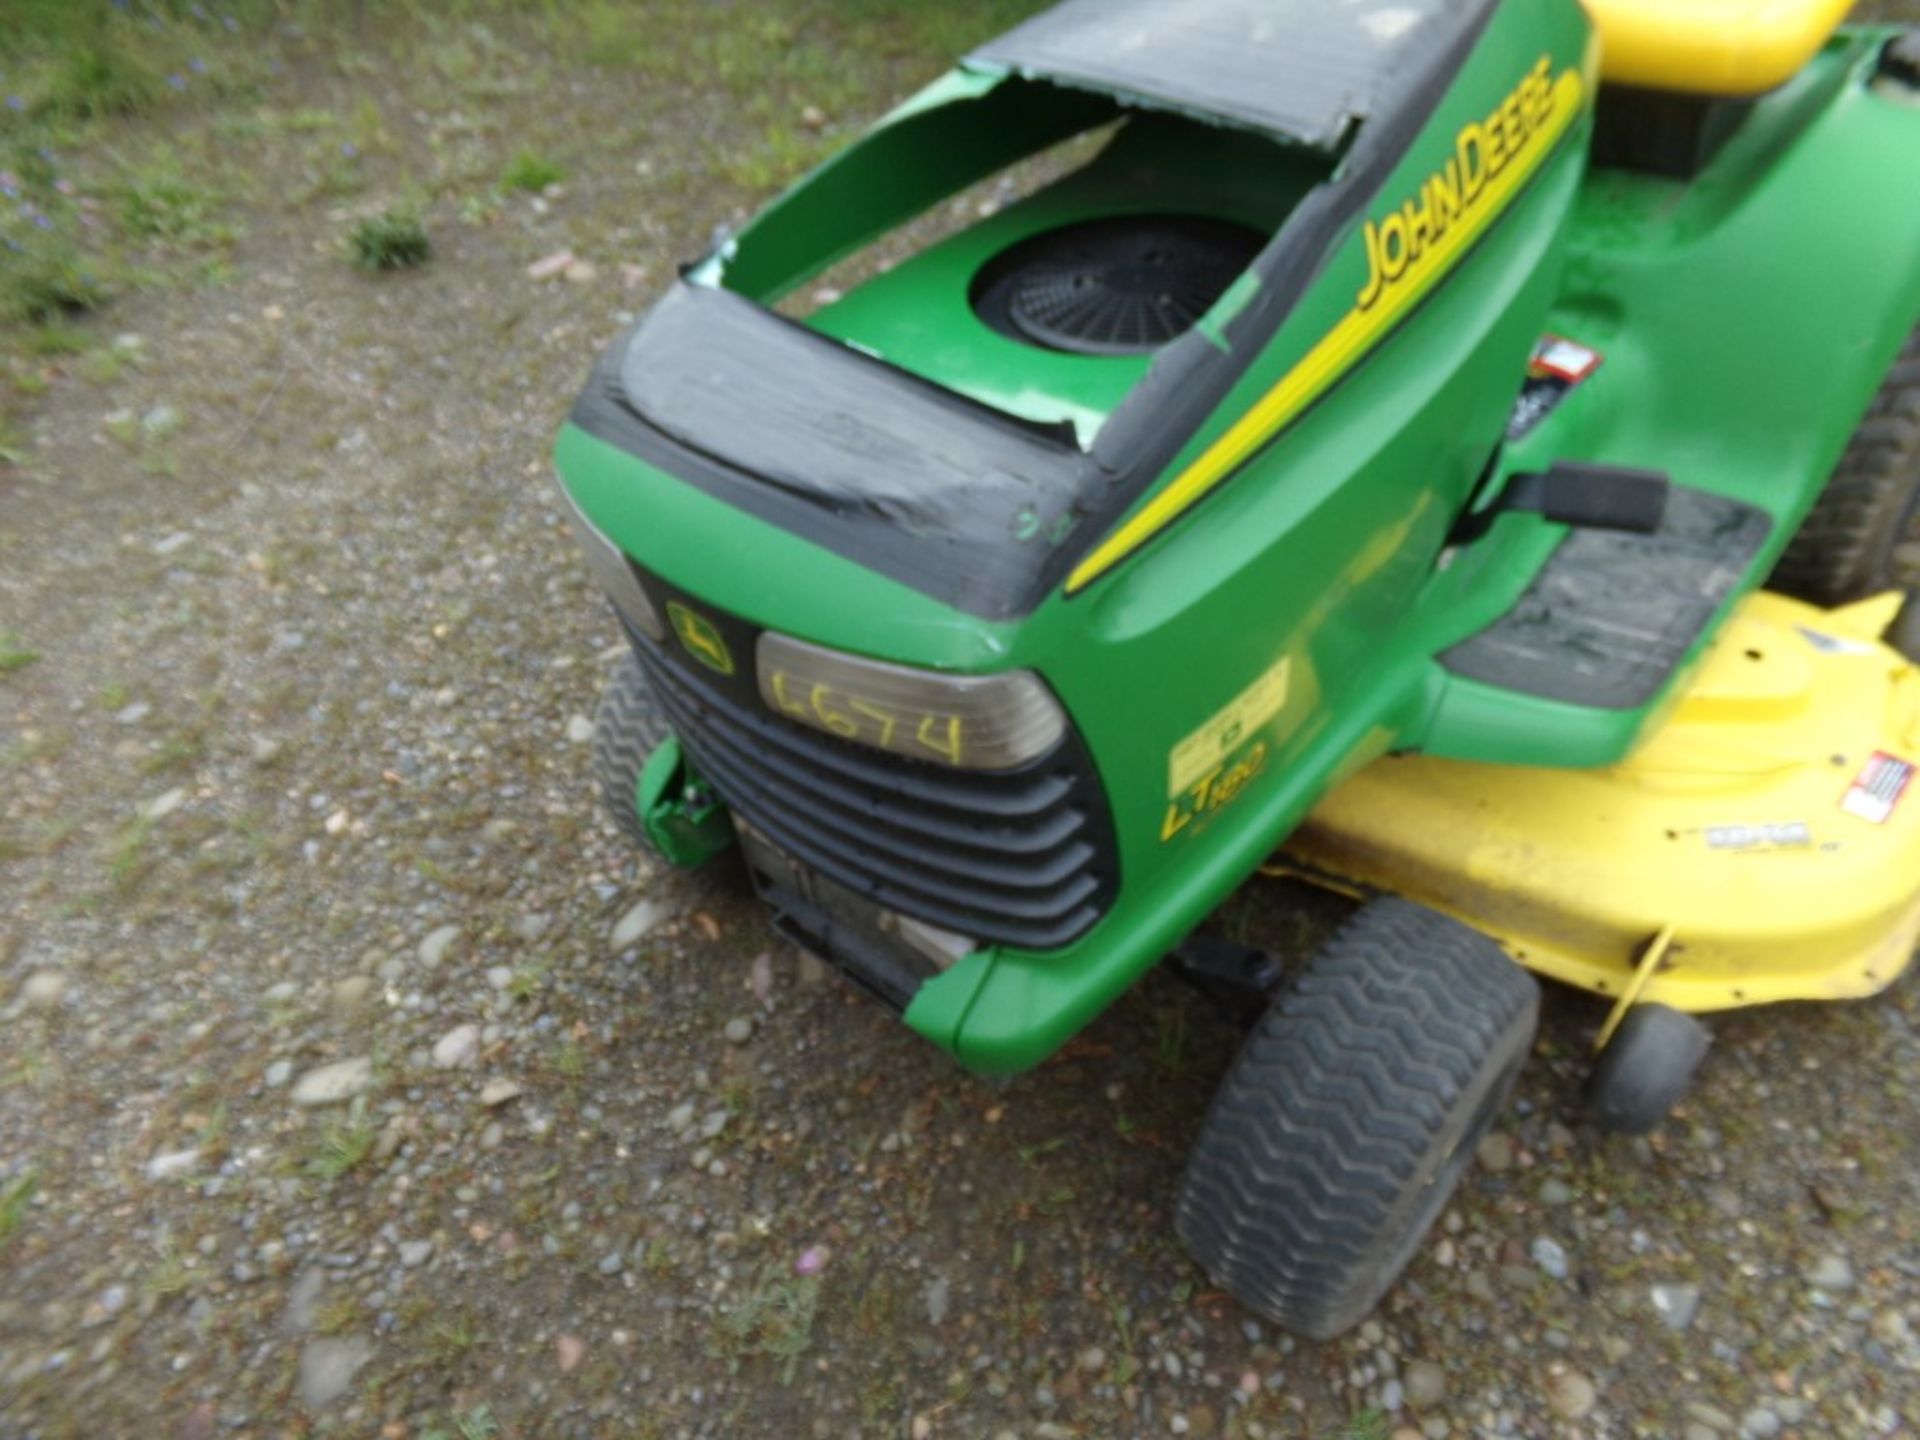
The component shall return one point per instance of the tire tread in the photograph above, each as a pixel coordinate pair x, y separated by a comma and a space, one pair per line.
627, 729
1844, 548
1335, 1105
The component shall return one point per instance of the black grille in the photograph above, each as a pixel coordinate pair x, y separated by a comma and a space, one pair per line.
1023, 858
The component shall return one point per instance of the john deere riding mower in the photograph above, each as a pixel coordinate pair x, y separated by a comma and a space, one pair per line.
1347, 439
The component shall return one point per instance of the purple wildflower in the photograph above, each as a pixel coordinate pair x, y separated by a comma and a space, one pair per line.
16, 102
811, 1261
177, 81
197, 65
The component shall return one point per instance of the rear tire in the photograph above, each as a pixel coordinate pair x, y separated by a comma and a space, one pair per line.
1351, 1112
628, 729
1844, 549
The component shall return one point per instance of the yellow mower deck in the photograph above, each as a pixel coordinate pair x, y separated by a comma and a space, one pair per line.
1762, 845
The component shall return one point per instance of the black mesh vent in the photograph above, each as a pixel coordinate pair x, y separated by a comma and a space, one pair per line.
1023, 858
1120, 286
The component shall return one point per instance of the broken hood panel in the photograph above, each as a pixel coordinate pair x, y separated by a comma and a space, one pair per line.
1303, 70
857, 455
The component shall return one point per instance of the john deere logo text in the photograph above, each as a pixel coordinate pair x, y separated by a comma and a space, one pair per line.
1482, 152
699, 638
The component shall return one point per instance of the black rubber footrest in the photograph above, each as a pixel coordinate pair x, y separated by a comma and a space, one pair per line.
1611, 615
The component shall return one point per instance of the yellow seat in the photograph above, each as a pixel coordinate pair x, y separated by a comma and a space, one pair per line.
1711, 47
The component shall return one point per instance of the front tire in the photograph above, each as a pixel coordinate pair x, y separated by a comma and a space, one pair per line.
1844, 550
1351, 1112
629, 727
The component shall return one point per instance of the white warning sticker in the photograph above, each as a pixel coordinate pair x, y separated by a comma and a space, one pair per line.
1876, 790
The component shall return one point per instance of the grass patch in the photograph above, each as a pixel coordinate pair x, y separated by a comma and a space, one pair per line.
531, 172
570, 1060
102, 367
102, 76
32, 1069
395, 239
70, 61
1367, 1425
15, 653
168, 1277
475, 1424
344, 1143
526, 983
774, 1319
452, 1339
42, 282
53, 339
337, 1316
166, 210
782, 155
128, 859
14, 1199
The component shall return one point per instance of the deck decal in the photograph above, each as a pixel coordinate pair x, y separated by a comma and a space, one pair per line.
1876, 790
1411, 249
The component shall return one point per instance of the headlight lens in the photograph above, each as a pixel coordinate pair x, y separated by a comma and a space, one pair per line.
967, 722
609, 566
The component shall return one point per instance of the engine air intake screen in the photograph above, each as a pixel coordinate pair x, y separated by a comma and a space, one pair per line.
1124, 285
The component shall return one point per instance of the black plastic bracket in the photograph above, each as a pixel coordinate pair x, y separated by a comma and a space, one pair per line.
1240, 979
1587, 497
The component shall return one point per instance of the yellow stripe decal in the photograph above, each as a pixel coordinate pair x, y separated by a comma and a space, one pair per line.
1410, 250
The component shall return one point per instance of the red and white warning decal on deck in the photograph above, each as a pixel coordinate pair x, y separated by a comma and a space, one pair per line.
1876, 790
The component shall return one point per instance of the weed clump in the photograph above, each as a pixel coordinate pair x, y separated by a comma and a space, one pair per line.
395, 239
531, 173
39, 282
164, 209
344, 1144
15, 653
774, 1319
14, 1199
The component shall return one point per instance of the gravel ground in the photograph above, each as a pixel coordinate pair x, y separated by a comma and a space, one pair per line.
357, 1081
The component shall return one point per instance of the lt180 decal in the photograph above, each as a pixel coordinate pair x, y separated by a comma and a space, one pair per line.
1214, 791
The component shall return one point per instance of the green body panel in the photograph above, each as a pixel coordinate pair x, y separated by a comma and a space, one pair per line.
1745, 320
914, 158
688, 832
